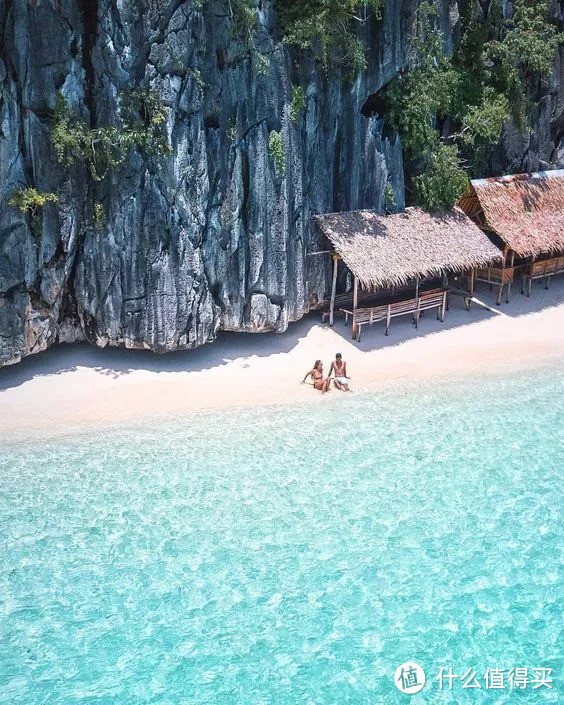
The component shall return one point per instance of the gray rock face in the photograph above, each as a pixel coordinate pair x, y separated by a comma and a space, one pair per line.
210, 237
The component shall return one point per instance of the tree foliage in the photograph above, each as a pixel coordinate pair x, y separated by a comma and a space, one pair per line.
297, 103
443, 181
103, 148
467, 98
418, 96
30, 201
330, 25
530, 40
276, 152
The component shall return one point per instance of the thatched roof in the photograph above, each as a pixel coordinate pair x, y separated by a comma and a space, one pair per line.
525, 210
389, 250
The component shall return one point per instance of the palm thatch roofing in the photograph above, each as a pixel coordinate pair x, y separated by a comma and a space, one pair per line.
390, 250
525, 210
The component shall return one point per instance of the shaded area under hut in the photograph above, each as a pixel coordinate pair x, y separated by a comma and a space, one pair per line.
524, 215
400, 263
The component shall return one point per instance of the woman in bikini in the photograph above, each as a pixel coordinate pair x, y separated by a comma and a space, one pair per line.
339, 367
317, 376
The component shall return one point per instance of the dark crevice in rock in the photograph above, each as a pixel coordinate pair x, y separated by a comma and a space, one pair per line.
211, 122
252, 127
245, 174
89, 10
337, 174
375, 105
68, 308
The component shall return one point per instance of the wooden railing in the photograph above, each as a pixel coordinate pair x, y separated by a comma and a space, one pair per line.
497, 276
345, 301
542, 269
436, 298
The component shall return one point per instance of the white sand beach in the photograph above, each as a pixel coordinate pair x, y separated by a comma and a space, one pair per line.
76, 387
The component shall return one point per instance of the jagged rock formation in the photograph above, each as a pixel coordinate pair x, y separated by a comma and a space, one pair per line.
211, 237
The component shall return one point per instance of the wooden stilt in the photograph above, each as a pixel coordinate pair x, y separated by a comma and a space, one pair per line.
333, 290
442, 310
355, 329
530, 282
511, 261
500, 290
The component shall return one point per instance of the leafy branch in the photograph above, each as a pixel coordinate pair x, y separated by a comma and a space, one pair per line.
104, 148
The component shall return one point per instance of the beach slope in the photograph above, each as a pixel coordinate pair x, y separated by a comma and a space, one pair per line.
76, 387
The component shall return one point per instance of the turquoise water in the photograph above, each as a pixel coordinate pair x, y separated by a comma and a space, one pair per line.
294, 555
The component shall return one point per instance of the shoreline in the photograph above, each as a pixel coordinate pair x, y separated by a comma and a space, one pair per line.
72, 389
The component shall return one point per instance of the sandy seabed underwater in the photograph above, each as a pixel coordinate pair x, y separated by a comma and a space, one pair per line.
290, 555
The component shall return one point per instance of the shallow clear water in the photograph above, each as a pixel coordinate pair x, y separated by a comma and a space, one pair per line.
293, 555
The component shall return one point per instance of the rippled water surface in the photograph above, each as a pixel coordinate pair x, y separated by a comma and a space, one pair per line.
292, 555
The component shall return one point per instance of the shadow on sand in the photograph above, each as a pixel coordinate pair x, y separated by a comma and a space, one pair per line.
231, 346
483, 307
119, 361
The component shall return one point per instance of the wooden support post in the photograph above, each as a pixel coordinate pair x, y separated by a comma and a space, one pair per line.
530, 282
333, 290
388, 318
511, 261
472, 282
355, 328
500, 290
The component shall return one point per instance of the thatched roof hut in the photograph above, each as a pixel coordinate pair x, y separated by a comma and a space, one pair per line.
389, 250
525, 210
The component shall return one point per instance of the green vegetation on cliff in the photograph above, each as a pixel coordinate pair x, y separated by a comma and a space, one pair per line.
103, 148
328, 26
332, 25
276, 152
460, 101
30, 201
463, 101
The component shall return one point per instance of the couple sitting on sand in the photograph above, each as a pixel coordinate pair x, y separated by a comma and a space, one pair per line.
338, 366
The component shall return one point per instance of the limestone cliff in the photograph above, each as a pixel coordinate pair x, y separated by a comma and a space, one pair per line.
212, 237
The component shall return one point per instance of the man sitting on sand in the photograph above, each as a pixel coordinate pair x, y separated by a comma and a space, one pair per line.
339, 367
317, 376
